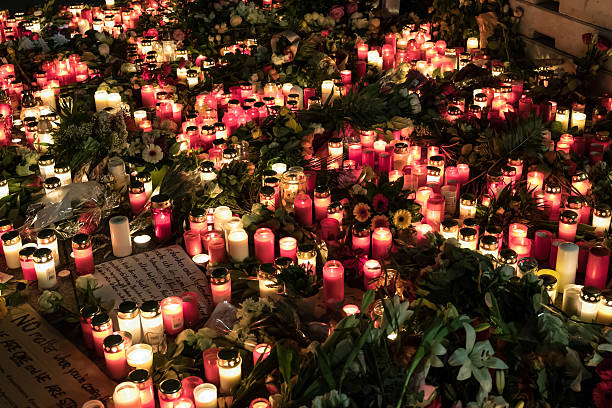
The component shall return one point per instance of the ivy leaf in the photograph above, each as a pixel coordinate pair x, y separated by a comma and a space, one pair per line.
553, 329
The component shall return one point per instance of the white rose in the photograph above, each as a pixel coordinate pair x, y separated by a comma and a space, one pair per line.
83, 281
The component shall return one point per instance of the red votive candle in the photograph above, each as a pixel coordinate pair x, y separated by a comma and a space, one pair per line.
193, 242
302, 206
333, 282
137, 196
381, 242
191, 312
371, 273
597, 267
162, 216
188, 384
87, 312
211, 369
288, 248
216, 250
330, 228
264, 245
361, 239
261, 352
83, 254
543, 241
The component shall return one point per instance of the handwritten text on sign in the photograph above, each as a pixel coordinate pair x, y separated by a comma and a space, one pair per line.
41, 368
154, 275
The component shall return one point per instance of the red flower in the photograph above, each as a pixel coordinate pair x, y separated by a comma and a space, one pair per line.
437, 403
604, 369
337, 12
380, 203
587, 37
603, 43
324, 33
602, 395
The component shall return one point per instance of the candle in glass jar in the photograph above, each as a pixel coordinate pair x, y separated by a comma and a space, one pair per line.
86, 313
127, 395
238, 245
46, 238
361, 238
435, 211
467, 206
322, 200
303, 208
604, 308
144, 382
264, 245
191, 312
589, 302
535, 180
205, 396
45, 268
230, 369
543, 242
602, 214
567, 263
140, 356
101, 99
83, 254
114, 356
221, 285
151, 318
371, 273
120, 236
288, 247
172, 313
211, 369
11, 244
220, 216
597, 267
128, 317
333, 282
362, 51
449, 229
137, 196
568, 225
261, 352
215, 245
381, 242
161, 208
268, 284
169, 392
307, 257
101, 328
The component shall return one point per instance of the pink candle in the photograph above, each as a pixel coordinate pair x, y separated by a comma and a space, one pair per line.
597, 267
568, 225
302, 206
216, 250
371, 273
83, 254
101, 327
361, 239
354, 152
552, 198
543, 241
172, 313
522, 247
464, 172
333, 282
362, 51
517, 230
27, 265
554, 247
137, 196
221, 285
422, 230
193, 242
87, 312
381, 242
330, 228
322, 200
148, 96
288, 247
435, 211
535, 180
261, 352
191, 312
188, 384
211, 369
162, 216
264, 245
114, 356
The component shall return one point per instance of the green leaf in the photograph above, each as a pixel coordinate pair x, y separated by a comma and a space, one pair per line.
367, 300
285, 356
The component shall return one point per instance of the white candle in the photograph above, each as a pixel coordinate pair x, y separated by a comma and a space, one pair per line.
128, 317
101, 100
140, 356
11, 243
4, 188
113, 100
601, 218
127, 395
238, 241
205, 396
578, 120
589, 300
139, 116
46, 239
46, 166
220, 216
230, 369
63, 174
120, 236
604, 309
45, 268
472, 43
567, 263
151, 318
265, 276
327, 88
48, 97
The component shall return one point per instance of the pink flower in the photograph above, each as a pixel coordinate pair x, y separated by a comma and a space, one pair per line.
380, 203
178, 35
324, 33
351, 7
337, 12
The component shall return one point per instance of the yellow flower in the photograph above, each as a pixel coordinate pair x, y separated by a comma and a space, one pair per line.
361, 212
402, 219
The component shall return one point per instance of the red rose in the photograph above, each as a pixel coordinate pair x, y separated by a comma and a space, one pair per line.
603, 43
337, 12
351, 7
587, 37
604, 369
602, 395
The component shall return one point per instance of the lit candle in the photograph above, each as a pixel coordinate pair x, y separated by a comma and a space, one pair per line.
151, 318
288, 247
467, 206
161, 208
261, 352
350, 309
520, 245
44, 266
205, 396
552, 197
449, 229
4, 188
86, 313
169, 393
489, 245
589, 301
333, 282
371, 273
140, 356
307, 257
361, 239
114, 356
127, 395
562, 116
268, 284
11, 244
335, 151
327, 88
362, 51
211, 369
62, 172
517, 230
260, 403
303, 208
472, 43
193, 242
101, 328
567, 263
230, 369
604, 308
468, 238
597, 267
120, 236
191, 312
568, 225
146, 180
128, 317
101, 99
435, 211
144, 382
322, 200
215, 244
147, 93
535, 180
238, 245
172, 313
83, 254
221, 285
601, 218
381, 242
220, 216
264, 245
549, 282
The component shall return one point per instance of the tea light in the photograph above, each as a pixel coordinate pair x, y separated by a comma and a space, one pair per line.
597, 267
11, 244
140, 356
371, 272
205, 396
44, 267
261, 352
127, 395
120, 236
221, 285
567, 263
238, 245
333, 282
288, 247
381, 242
264, 245
230, 369
151, 318
114, 356
128, 317
589, 301
172, 314
101, 328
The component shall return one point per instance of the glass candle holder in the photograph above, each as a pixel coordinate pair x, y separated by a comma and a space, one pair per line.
382, 240
604, 308
11, 245
140, 356
161, 208
127, 395
288, 248
5, 226
172, 314
198, 220
307, 257
467, 206
86, 313
267, 197
549, 282
169, 392
336, 211
568, 225
264, 245
230, 369
46, 238
62, 172
83, 254
46, 166
261, 352
114, 356
144, 382
333, 282
221, 285
322, 200
589, 300
489, 246
552, 197
137, 196
508, 257
151, 318
128, 318
527, 265
468, 238
302, 205
45, 268
361, 239
581, 183
101, 328
238, 245
371, 273
205, 396
449, 228
602, 215
260, 403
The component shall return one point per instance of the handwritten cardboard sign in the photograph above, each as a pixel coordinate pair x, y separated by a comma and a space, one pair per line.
41, 368
154, 275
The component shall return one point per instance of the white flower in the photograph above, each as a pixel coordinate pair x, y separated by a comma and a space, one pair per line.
49, 301
82, 282
152, 154
235, 20
104, 49
278, 59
